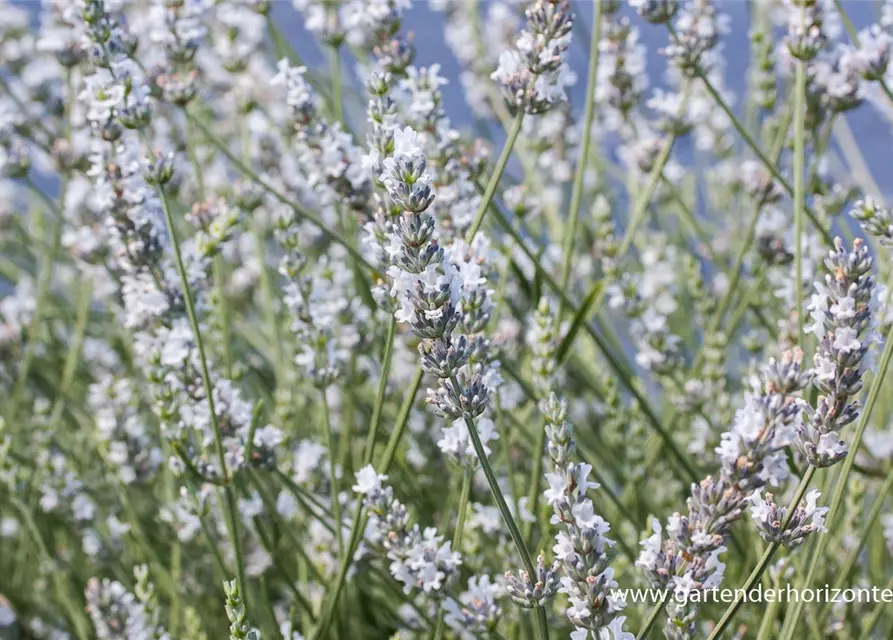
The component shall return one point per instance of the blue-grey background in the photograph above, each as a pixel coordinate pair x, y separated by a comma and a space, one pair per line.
873, 133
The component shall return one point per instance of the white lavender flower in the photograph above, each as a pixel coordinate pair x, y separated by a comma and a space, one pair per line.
841, 310
477, 609
752, 455
875, 219
420, 559
533, 591
240, 628
581, 549
769, 518
534, 74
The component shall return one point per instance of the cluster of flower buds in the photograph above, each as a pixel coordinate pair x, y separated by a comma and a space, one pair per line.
581, 549
697, 31
115, 611
477, 610
332, 162
648, 300
875, 220
841, 310
763, 74
180, 32
769, 518
457, 446
622, 79
436, 290
358, 23
655, 11
543, 340
215, 224
381, 113
533, 591
419, 559
806, 33
836, 80
240, 628
534, 74
752, 454
315, 306
15, 159
873, 53
125, 438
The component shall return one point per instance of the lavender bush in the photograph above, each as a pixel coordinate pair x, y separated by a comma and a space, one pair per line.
287, 352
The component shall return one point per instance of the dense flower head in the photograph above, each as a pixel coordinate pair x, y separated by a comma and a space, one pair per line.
534, 74
770, 518
841, 310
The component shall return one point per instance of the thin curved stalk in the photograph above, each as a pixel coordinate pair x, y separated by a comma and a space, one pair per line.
44, 281
493, 182
228, 500
765, 630
840, 487
754, 147
763, 563
514, 531
333, 476
266, 289
74, 353
685, 468
652, 617
599, 289
374, 421
853, 556
464, 494
570, 231
875, 616
358, 520
533, 496
75, 613
337, 100
799, 189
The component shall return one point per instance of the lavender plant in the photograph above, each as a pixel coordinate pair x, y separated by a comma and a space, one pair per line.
298, 306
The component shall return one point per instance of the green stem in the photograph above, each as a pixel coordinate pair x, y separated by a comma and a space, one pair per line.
765, 630
223, 314
853, 556
840, 487
763, 563
333, 477
493, 183
75, 614
71, 361
588, 114
533, 496
229, 500
685, 468
464, 494
45, 279
514, 531
358, 520
597, 293
337, 98
369, 451
875, 616
652, 616
754, 147
799, 190
260, 245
